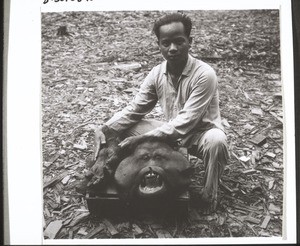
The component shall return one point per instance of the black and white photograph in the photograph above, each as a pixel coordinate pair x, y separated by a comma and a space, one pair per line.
185, 108
162, 124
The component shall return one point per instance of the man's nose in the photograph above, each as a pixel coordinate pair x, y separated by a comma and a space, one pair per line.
173, 48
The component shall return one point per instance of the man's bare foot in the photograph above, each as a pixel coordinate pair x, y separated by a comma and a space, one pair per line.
81, 186
203, 200
210, 201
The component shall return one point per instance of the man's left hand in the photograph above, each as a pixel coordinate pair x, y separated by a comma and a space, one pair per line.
130, 141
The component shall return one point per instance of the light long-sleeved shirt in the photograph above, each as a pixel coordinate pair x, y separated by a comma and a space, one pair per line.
190, 108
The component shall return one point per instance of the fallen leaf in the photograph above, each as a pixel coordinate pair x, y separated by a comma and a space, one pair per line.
248, 127
55, 179
66, 179
211, 217
52, 229
270, 154
221, 220
267, 169
249, 171
259, 93
112, 230
255, 155
266, 221
94, 232
257, 111
252, 220
81, 146
274, 208
244, 158
132, 66
163, 234
271, 183
247, 96
71, 232
137, 230
79, 218
65, 199
156, 226
258, 139
67, 221
276, 116
276, 165
266, 145
82, 231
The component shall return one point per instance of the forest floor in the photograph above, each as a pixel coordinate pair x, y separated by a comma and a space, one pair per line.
94, 67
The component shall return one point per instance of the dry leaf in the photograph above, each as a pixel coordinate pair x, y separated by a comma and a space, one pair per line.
257, 111
163, 234
52, 229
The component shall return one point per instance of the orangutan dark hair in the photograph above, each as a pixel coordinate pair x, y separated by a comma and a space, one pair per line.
174, 17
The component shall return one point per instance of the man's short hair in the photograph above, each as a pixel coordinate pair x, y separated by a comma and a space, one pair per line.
174, 17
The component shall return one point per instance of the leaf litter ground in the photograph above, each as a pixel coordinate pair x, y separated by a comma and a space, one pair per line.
92, 66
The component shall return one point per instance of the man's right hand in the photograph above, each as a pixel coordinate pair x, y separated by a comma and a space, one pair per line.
99, 140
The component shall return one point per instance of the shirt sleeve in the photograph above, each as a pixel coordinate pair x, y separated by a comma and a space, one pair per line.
194, 109
142, 104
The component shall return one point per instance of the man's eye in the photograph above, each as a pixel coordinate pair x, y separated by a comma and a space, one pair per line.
179, 42
165, 43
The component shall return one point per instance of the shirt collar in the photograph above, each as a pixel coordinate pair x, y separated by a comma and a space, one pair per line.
187, 68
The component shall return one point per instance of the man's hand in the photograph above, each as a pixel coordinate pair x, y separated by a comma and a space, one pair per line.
96, 175
99, 140
130, 141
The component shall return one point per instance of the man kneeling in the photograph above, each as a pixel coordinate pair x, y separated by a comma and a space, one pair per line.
187, 90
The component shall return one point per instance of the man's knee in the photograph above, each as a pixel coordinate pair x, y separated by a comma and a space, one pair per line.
214, 141
214, 138
214, 151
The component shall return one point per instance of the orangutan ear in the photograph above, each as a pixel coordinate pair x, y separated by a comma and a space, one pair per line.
126, 151
133, 143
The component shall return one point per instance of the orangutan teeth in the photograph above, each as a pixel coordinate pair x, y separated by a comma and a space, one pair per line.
150, 190
151, 180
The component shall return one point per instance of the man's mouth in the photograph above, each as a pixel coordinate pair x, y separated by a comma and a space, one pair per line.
173, 57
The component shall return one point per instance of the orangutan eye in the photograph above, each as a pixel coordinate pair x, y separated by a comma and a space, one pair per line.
145, 157
159, 157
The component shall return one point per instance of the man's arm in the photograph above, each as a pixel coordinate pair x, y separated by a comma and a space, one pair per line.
141, 105
193, 110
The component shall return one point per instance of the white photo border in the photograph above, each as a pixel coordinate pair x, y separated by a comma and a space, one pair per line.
24, 114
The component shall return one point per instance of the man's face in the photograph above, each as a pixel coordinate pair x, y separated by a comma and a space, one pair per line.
173, 43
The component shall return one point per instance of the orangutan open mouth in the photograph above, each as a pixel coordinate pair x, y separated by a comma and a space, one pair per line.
151, 183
